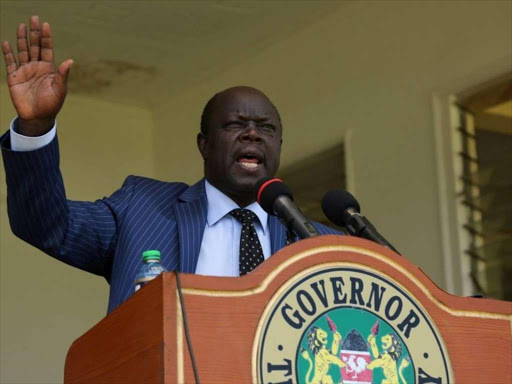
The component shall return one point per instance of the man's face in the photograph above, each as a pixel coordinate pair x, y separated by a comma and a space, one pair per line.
243, 143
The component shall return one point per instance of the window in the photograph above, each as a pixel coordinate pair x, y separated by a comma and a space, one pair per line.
310, 178
484, 186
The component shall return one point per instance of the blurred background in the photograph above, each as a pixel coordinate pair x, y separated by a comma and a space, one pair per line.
407, 104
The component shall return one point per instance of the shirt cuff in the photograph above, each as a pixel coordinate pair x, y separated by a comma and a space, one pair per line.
22, 143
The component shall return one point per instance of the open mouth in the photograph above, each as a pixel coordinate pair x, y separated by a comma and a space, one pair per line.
250, 161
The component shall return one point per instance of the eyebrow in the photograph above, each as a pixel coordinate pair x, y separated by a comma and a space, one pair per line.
249, 117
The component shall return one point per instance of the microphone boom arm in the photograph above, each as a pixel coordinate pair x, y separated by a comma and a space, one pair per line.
360, 226
292, 218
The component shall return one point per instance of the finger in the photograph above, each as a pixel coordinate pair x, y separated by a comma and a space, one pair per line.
22, 44
46, 43
10, 61
64, 69
35, 38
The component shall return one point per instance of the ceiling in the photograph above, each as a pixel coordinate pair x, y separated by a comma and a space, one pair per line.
136, 51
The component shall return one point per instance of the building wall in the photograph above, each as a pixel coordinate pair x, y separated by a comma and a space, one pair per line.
45, 304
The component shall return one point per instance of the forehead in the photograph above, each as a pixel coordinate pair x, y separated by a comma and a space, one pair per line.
243, 103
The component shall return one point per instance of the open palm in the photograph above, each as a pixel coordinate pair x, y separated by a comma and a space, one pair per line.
37, 90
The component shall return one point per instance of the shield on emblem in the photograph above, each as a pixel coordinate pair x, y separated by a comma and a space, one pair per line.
356, 356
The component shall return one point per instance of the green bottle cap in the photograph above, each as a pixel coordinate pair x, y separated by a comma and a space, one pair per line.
151, 254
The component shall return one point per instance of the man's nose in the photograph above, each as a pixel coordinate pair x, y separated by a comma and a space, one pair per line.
251, 133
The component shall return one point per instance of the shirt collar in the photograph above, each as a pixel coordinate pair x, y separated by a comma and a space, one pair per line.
219, 205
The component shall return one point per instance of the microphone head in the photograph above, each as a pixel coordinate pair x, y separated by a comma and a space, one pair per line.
336, 202
269, 189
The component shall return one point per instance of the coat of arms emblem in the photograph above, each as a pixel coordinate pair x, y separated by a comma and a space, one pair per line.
333, 355
346, 325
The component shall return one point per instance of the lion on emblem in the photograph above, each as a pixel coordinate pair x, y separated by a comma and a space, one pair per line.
388, 359
323, 358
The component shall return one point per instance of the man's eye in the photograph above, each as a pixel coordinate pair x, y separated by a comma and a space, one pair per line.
234, 124
268, 127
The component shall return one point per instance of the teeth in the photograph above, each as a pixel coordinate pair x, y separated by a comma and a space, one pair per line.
249, 165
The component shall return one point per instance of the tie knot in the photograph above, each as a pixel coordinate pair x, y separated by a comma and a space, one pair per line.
244, 216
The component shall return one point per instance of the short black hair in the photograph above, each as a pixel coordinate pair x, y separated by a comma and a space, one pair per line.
207, 112
208, 109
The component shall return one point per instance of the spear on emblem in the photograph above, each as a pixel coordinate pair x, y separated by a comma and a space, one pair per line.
331, 324
375, 328
336, 336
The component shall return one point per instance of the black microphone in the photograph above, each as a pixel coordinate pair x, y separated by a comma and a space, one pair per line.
276, 199
343, 209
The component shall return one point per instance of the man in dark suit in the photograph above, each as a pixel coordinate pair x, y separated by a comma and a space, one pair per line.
194, 227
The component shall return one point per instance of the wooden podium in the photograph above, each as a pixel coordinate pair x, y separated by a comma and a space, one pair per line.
326, 309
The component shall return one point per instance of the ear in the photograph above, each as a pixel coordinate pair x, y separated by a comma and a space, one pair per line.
202, 140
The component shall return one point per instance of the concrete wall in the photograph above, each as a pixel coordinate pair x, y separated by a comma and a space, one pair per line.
45, 304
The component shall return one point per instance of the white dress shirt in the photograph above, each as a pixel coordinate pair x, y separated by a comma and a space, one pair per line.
220, 248
26, 143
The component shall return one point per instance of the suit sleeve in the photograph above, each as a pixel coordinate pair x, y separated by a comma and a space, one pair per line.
82, 234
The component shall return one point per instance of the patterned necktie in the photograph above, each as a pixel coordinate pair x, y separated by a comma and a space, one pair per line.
251, 253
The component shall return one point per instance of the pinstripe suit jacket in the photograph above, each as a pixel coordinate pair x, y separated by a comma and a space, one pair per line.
108, 236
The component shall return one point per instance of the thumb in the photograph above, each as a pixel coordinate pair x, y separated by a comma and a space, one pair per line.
64, 69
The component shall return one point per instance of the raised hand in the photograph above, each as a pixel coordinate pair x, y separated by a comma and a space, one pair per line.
37, 89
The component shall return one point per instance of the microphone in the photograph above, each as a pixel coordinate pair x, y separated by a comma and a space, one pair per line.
343, 209
276, 199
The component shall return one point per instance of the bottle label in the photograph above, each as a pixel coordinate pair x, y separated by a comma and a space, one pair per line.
139, 283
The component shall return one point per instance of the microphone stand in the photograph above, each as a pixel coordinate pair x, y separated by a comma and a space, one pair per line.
360, 226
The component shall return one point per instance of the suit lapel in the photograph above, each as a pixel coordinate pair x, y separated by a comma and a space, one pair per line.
277, 234
190, 211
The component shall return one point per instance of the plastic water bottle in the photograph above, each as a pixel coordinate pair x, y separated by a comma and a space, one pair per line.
150, 269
